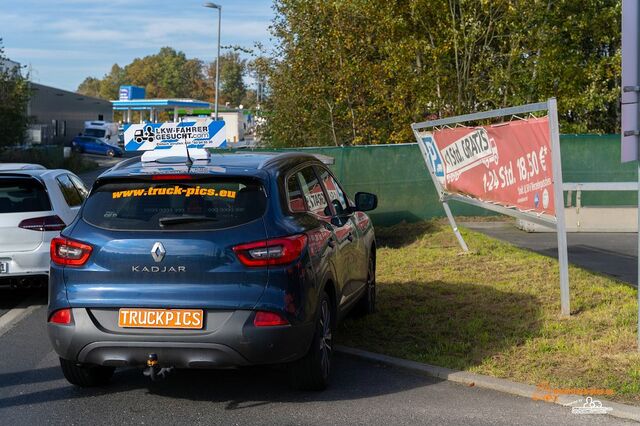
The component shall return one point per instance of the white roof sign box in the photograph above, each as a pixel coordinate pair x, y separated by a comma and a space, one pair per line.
194, 134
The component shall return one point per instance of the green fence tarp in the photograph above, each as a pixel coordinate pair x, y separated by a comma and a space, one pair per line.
398, 175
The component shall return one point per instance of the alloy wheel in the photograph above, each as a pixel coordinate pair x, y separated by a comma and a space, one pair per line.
325, 341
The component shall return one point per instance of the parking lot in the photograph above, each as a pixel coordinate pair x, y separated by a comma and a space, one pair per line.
33, 391
32, 388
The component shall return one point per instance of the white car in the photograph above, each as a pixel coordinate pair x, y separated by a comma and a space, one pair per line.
35, 205
20, 166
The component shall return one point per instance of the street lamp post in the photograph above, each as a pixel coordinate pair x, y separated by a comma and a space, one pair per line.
217, 6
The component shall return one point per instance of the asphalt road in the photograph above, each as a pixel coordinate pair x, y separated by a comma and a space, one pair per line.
33, 391
614, 254
9, 297
104, 163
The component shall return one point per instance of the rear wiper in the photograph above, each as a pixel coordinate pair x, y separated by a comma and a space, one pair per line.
177, 220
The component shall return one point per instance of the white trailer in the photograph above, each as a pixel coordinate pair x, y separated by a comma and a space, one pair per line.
103, 130
235, 124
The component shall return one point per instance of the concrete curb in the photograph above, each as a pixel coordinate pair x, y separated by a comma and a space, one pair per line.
17, 314
622, 411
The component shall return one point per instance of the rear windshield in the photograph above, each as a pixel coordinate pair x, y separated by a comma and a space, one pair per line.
20, 195
175, 205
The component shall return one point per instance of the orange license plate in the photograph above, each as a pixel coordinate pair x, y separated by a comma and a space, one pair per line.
161, 318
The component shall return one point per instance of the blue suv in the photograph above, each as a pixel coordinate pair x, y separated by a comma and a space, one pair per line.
242, 259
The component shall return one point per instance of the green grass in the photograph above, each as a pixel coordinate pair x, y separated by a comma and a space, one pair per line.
495, 311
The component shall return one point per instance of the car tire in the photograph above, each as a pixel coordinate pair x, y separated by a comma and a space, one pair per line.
86, 376
111, 153
312, 371
367, 303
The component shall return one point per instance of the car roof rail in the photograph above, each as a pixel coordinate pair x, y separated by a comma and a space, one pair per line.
285, 155
125, 163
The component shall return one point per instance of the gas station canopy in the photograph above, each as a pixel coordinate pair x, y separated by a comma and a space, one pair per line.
132, 98
146, 104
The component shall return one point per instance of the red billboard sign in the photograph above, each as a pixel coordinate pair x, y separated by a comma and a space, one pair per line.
508, 164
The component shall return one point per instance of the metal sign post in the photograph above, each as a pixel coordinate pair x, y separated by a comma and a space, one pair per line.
630, 146
441, 193
561, 228
433, 160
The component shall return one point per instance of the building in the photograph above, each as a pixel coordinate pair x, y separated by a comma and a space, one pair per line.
235, 123
58, 115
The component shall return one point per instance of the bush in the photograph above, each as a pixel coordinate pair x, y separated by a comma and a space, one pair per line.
50, 157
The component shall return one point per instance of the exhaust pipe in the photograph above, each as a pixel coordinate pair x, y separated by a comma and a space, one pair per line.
154, 371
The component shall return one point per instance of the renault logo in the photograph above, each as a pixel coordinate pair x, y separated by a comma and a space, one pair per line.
158, 252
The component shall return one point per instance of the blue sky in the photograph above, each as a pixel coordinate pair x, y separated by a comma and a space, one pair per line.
66, 41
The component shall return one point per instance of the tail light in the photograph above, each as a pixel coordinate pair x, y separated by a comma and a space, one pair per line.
45, 223
66, 252
171, 177
62, 316
276, 251
268, 319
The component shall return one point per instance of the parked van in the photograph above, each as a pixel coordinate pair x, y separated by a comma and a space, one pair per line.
103, 130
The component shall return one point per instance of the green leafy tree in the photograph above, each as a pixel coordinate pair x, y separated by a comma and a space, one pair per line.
90, 86
15, 93
167, 74
110, 84
360, 71
170, 74
258, 68
232, 72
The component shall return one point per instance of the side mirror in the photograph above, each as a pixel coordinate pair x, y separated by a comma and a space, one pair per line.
365, 201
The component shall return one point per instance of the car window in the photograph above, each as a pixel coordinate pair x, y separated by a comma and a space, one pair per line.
69, 191
96, 133
180, 205
295, 199
20, 195
82, 190
336, 195
313, 194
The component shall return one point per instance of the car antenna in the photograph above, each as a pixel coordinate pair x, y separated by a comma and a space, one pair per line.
189, 161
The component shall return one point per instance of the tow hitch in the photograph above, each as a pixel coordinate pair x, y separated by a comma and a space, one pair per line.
154, 371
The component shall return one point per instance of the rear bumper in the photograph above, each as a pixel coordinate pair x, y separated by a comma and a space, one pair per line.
26, 264
24, 281
229, 340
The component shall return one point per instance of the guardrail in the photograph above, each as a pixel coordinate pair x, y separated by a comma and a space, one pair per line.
594, 186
